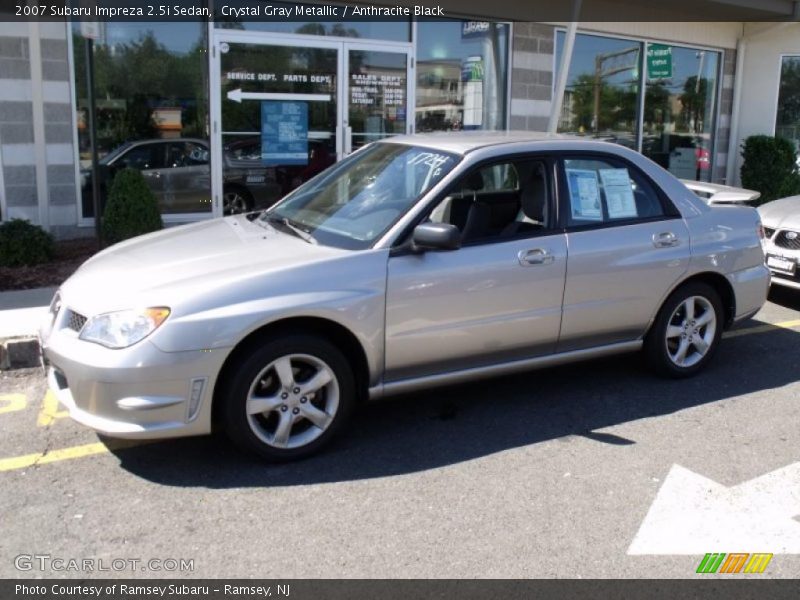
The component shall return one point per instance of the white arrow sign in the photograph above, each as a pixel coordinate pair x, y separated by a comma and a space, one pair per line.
238, 95
694, 515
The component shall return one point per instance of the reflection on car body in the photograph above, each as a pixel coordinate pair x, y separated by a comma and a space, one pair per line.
415, 262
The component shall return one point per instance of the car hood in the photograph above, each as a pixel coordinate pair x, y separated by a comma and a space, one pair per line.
178, 263
781, 214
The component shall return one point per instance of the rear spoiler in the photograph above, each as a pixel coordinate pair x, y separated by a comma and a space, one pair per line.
714, 193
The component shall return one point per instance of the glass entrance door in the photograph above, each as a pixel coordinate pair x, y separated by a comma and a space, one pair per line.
278, 120
287, 108
377, 94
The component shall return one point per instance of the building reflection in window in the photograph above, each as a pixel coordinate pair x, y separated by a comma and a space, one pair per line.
462, 75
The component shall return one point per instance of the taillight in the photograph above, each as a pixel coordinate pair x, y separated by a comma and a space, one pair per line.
760, 229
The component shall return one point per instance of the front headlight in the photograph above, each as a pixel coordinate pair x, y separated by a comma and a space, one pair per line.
123, 328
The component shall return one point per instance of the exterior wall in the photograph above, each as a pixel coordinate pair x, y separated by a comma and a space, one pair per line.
722, 146
36, 127
532, 50
762, 71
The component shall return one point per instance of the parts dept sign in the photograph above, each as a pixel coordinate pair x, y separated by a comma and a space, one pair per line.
280, 77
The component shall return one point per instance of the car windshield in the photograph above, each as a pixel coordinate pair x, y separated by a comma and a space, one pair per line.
354, 202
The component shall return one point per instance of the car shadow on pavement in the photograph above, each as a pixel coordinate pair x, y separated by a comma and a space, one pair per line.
786, 297
450, 425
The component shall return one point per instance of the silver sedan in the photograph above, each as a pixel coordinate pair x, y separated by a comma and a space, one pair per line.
415, 262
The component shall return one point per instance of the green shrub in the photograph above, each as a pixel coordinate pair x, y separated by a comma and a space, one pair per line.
132, 208
22, 243
770, 167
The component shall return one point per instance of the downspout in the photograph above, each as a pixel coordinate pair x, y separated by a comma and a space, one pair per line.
731, 177
563, 69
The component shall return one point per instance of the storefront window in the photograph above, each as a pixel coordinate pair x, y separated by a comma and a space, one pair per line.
462, 72
601, 97
397, 30
679, 108
788, 122
151, 99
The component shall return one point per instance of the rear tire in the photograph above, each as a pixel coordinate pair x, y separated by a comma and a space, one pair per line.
686, 332
236, 200
289, 398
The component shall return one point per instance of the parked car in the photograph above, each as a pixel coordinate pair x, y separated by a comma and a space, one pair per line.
415, 262
177, 170
781, 220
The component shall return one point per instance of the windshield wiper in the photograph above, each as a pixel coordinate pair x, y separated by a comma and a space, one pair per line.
287, 224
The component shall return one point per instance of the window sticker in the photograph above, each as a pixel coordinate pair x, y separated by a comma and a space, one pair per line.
619, 193
584, 194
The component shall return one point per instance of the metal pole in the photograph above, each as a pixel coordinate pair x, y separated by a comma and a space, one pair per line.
89, 47
563, 70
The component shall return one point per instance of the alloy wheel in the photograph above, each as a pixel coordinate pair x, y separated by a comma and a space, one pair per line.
233, 203
691, 331
292, 401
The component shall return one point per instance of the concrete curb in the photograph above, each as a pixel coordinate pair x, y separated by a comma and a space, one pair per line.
21, 312
19, 353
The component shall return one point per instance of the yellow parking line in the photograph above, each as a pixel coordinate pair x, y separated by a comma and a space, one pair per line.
14, 402
50, 412
764, 328
41, 458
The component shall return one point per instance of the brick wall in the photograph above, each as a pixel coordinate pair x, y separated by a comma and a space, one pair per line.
531, 76
36, 130
722, 147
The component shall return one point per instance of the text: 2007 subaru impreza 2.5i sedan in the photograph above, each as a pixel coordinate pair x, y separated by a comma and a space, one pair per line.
415, 262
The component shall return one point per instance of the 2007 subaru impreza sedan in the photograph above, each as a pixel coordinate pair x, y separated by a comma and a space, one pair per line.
415, 262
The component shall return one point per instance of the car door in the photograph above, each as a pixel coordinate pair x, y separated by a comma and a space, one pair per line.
187, 177
148, 158
495, 299
628, 246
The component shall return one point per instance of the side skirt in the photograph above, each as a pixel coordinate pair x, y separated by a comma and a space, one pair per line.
414, 384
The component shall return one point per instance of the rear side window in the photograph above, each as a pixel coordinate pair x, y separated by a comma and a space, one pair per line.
601, 191
143, 157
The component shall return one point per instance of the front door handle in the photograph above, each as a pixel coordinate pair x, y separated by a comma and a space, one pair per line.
665, 239
537, 256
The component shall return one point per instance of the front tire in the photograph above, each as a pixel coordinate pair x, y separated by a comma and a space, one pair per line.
289, 398
686, 332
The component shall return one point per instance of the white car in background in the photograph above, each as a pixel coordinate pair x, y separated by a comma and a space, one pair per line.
781, 220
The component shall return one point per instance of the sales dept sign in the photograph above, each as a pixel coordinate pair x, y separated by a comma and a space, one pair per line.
659, 61
284, 133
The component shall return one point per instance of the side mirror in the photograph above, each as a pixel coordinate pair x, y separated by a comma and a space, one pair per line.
436, 236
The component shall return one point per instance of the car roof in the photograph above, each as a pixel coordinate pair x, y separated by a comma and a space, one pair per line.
462, 142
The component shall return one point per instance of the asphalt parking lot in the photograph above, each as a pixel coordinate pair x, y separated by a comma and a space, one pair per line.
598, 469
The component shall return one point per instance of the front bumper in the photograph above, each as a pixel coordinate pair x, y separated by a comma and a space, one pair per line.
138, 392
789, 257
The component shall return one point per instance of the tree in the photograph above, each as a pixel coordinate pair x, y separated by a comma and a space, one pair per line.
693, 104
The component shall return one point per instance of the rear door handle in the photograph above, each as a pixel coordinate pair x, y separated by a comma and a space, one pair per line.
537, 256
665, 239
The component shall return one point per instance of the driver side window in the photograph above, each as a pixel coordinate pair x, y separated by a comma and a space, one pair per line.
499, 201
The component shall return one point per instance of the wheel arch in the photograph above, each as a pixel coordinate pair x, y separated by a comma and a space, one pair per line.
332, 331
719, 283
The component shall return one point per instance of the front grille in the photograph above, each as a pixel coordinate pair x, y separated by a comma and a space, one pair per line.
788, 239
74, 321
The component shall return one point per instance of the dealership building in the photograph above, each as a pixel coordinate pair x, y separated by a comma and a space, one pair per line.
230, 114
